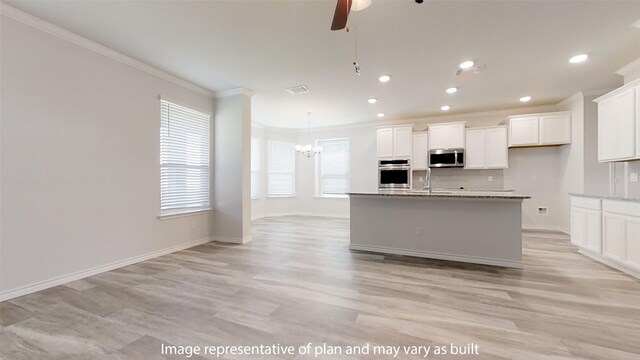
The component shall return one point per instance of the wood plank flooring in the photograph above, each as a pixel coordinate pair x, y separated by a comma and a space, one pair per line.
299, 283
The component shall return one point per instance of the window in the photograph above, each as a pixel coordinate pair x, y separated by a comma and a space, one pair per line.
281, 177
184, 159
255, 168
332, 168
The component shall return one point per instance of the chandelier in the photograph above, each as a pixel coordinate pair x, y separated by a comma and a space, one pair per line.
308, 150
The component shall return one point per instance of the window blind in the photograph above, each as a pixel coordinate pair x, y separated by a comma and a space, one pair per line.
281, 169
255, 168
333, 167
184, 159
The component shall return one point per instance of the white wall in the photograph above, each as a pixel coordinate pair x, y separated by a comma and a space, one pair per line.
571, 165
80, 160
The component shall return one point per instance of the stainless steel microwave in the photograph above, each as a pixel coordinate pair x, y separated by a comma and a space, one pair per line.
446, 158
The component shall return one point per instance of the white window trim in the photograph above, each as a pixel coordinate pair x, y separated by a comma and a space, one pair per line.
318, 172
256, 196
182, 212
293, 190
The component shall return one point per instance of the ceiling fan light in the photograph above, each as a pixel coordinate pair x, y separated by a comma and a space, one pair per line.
358, 5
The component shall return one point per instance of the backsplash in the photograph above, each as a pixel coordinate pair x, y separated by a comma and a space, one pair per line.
623, 186
456, 178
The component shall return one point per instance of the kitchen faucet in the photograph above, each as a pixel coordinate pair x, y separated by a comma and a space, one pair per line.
428, 185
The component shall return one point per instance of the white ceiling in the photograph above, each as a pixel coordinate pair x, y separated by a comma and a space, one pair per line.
267, 46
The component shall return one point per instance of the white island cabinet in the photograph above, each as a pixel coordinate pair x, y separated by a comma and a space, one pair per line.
486, 228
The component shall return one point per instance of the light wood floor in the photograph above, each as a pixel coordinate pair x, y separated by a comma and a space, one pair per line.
298, 283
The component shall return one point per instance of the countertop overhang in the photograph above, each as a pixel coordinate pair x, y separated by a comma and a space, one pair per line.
461, 194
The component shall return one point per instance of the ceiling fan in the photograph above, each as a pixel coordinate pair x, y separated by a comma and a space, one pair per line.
343, 7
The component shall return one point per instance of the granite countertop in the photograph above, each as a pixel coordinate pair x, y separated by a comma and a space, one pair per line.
452, 194
633, 198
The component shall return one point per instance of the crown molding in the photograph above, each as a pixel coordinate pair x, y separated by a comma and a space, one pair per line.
78, 40
632, 66
234, 92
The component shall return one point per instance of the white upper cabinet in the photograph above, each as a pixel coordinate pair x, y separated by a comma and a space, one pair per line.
486, 148
540, 129
555, 129
420, 151
385, 143
447, 136
394, 142
497, 148
523, 131
402, 137
619, 124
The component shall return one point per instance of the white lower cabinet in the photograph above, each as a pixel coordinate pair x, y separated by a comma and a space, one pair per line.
608, 231
632, 241
613, 235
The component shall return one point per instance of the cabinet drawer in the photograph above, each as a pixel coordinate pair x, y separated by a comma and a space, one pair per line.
586, 203
621, 207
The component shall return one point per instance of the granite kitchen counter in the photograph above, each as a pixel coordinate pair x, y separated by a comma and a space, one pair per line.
631, 198
446, 194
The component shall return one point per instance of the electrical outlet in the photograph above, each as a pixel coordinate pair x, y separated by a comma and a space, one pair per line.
419, 231
633, 177
543, 211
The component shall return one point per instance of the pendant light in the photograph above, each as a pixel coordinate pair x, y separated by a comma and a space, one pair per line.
308, 150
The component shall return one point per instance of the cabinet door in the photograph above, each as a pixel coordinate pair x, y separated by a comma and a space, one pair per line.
456, 136
523, 131
475, 153
385, 143
613, 232
593, 240
632, 241
438, 137
497, 152
419, 156
607, 130
578, 227
555, 129
625, 119
402, 137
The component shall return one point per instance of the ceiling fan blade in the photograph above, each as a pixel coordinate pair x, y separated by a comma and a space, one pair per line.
343, 7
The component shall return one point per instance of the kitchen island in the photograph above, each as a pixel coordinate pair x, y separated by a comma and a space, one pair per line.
479, 227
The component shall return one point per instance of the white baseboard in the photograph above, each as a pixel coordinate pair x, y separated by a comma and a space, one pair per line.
545, 228
438, 256
59, 280
231, 240
300, 214
611, 263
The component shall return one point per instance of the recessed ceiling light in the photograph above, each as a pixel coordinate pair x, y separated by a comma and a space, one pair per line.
467, 64
380, 114
384, 78
372, 101
445, 108
525, 98
452, 90
579, 59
